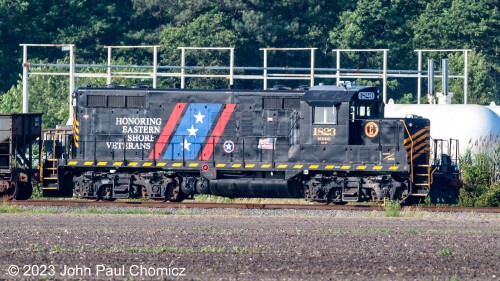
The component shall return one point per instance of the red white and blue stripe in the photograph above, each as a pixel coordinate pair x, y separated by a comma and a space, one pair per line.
192, 131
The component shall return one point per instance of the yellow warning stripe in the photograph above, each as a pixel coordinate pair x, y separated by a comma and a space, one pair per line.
418, 147
420, 139
422, 148
426, 128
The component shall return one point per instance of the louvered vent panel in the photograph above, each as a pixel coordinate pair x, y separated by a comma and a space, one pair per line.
116, 101
291, 103
96, 101
273, 103
136, 102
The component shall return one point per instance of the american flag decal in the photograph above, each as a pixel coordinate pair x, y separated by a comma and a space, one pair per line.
192, 131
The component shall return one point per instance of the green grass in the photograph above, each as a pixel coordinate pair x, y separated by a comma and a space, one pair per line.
203, 198
127, 211
57, 249
392, 208
370, 230
444, 252
8, 209
212, 250
133, 249
14, 209
239, 250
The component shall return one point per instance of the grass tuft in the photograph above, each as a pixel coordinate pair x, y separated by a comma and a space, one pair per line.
444, 252
392, 208
8, 209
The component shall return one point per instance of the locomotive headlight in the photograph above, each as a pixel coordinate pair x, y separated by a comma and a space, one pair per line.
306, 172
112, 171
410, 124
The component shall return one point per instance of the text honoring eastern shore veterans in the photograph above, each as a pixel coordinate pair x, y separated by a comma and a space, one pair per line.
139, 133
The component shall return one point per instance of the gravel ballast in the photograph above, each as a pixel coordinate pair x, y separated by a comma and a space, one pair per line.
219, 244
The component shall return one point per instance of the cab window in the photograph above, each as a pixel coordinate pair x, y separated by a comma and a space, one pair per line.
325, 115
363, 111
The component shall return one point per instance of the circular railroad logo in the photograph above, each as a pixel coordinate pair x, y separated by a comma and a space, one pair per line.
371, 129
228, 146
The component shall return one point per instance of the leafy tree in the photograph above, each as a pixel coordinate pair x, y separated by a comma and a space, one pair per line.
378, 24
208, 30
11, 28
47, 94
466, 24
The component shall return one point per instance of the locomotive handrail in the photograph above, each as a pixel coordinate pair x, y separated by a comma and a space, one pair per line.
411, 150
431, 178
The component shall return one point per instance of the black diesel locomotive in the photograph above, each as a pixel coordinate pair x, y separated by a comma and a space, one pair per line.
325, 144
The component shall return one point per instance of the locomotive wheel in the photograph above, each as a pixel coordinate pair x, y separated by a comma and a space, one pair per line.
340, 203
104, 194
174, 192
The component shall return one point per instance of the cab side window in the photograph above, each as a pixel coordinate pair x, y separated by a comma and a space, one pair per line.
363, 110
325, 115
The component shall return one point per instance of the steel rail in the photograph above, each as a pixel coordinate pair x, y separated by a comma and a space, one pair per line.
203, 205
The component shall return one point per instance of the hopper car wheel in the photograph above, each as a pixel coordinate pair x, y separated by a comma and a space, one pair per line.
24, 191
9, 192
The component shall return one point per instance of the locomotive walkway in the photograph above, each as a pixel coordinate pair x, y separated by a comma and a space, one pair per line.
189, 205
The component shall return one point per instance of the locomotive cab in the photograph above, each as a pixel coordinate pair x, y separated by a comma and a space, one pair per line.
335, 118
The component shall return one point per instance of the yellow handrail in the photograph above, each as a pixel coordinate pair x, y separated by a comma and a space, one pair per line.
411, 150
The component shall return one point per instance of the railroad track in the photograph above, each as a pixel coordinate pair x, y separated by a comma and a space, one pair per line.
153, 204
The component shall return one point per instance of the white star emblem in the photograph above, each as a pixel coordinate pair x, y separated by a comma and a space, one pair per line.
229, 146
192, 131
185, 145
199, 117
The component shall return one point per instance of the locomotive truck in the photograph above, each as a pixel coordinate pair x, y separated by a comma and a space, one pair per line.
324, 144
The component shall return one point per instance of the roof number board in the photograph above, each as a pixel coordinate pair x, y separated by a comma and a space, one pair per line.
366, 95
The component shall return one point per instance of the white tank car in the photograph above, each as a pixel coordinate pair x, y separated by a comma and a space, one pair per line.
495, 108
475, 126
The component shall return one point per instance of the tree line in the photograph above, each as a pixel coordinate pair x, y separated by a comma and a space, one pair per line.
247, 25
